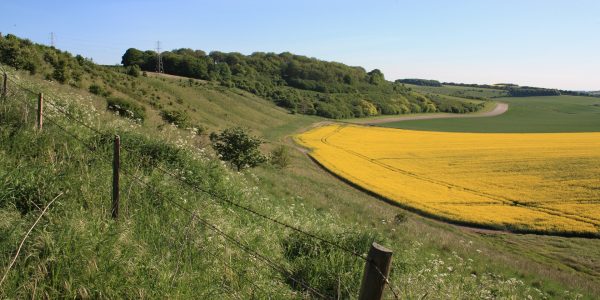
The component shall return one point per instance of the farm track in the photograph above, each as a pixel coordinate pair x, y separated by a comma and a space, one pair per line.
504, 200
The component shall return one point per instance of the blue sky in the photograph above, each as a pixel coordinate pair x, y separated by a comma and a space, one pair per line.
530, 42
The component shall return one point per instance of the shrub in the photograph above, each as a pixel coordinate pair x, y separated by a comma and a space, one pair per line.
61, 72
176, 117
236, 146
280, 157
126, 108
98, 90
134, 71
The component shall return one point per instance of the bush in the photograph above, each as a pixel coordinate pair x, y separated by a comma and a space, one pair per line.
126, 108
280, 157
98, 90
176, 117
134, 71
236, 146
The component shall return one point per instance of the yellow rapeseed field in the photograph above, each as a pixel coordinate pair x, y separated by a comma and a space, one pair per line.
546, 182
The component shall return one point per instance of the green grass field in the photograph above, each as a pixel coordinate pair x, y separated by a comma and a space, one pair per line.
525, 114
152, 252
459, 91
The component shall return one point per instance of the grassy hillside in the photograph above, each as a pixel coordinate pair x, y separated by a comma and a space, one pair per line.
531, 114
298, 83
161, 250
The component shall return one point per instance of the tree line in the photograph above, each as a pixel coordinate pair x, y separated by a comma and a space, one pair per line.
422, 82
298, 83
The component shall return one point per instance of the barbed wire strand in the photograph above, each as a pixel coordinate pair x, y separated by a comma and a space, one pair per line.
213, 195
230, 238
239, 244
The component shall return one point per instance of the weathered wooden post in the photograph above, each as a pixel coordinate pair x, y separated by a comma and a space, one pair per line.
377, 270
116, 167
40, 112
4, 86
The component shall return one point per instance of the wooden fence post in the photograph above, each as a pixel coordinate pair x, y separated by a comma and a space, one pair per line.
116, 167
40, 112
4, 86
377, 270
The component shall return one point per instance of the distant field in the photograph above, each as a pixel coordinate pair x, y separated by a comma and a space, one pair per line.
459, 91
522, 182
525, 114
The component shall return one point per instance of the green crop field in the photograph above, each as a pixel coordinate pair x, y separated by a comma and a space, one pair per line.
525, 114
459, 91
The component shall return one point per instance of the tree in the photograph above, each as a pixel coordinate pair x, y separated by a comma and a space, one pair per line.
376, 77
61, 72
236, 146
133, 57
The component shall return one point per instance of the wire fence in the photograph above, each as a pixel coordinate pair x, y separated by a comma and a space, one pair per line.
8, 93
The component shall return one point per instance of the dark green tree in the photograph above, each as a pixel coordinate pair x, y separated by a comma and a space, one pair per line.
376, 77
238, 147
133, 57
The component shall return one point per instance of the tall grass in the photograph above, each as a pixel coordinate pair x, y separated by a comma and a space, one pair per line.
157, 249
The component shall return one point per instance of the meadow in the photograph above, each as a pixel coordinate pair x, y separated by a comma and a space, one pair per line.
159, 251
544, 183
525, 114
459, 91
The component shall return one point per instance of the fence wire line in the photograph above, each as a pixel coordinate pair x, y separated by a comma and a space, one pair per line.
91, 148
213, 254
57, 107
232, 239
240, 276
213, 195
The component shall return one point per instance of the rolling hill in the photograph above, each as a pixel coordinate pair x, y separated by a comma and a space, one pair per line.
163, 245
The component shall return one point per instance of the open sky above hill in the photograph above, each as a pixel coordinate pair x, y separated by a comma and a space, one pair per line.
540, 43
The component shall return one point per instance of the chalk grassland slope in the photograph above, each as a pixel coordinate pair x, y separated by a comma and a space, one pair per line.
77, 253
156, 250
543, 183
301, 194
300, 84
530, 114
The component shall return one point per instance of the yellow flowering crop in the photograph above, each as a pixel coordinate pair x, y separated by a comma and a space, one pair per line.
540, 182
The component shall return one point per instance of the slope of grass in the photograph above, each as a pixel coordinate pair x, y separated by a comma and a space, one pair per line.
530, 114
157, 251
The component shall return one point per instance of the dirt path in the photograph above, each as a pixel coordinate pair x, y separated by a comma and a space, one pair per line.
500, 108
